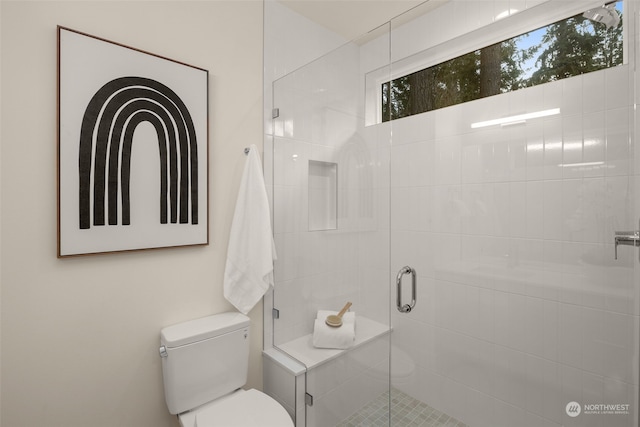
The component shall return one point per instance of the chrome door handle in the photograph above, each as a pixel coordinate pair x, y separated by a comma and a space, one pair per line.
406, 308
626, 238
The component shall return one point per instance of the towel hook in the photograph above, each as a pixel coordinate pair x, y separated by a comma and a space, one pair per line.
246, 150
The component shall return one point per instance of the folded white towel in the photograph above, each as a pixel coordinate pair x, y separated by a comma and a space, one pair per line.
325, 336
248, 273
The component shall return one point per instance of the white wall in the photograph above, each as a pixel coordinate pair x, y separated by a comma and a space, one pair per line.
80, 336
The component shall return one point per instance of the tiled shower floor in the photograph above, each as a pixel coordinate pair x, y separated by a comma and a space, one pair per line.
405, 412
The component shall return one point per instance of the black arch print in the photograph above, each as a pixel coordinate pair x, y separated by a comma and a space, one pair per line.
108, 124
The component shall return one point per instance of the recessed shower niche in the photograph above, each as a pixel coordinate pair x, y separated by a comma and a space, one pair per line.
323, 195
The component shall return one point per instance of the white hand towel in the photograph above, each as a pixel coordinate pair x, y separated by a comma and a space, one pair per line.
248, 273
325, 336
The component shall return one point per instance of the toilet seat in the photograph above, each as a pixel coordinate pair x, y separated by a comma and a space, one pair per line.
243, 408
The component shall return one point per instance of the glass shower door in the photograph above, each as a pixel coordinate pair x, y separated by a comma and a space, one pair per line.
330, 201
524, 317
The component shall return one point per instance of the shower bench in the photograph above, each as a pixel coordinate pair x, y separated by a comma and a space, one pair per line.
321, 387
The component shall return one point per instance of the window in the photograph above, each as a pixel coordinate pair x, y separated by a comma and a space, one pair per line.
580, 44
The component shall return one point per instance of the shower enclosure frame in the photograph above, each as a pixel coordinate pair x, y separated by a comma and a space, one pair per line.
546, 239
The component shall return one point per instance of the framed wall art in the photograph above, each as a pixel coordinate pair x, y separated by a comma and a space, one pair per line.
132, 148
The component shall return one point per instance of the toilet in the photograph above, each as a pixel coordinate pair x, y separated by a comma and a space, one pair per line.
204, 366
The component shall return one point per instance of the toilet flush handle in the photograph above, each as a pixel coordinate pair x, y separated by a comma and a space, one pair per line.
163, 351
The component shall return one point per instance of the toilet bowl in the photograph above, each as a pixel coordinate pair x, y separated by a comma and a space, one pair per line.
204, 365
242, 408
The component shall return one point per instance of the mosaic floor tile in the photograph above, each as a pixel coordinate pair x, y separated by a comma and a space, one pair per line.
405, 412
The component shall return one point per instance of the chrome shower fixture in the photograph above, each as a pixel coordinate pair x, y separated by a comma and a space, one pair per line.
606, 14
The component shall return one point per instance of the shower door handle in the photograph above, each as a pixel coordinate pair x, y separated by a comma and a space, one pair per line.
406, 308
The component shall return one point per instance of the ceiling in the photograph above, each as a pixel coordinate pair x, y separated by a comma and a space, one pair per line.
351, 18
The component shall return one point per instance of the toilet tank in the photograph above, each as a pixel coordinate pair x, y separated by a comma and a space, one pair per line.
204, 359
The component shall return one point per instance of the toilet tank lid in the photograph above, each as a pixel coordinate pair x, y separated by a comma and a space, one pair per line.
202, 329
